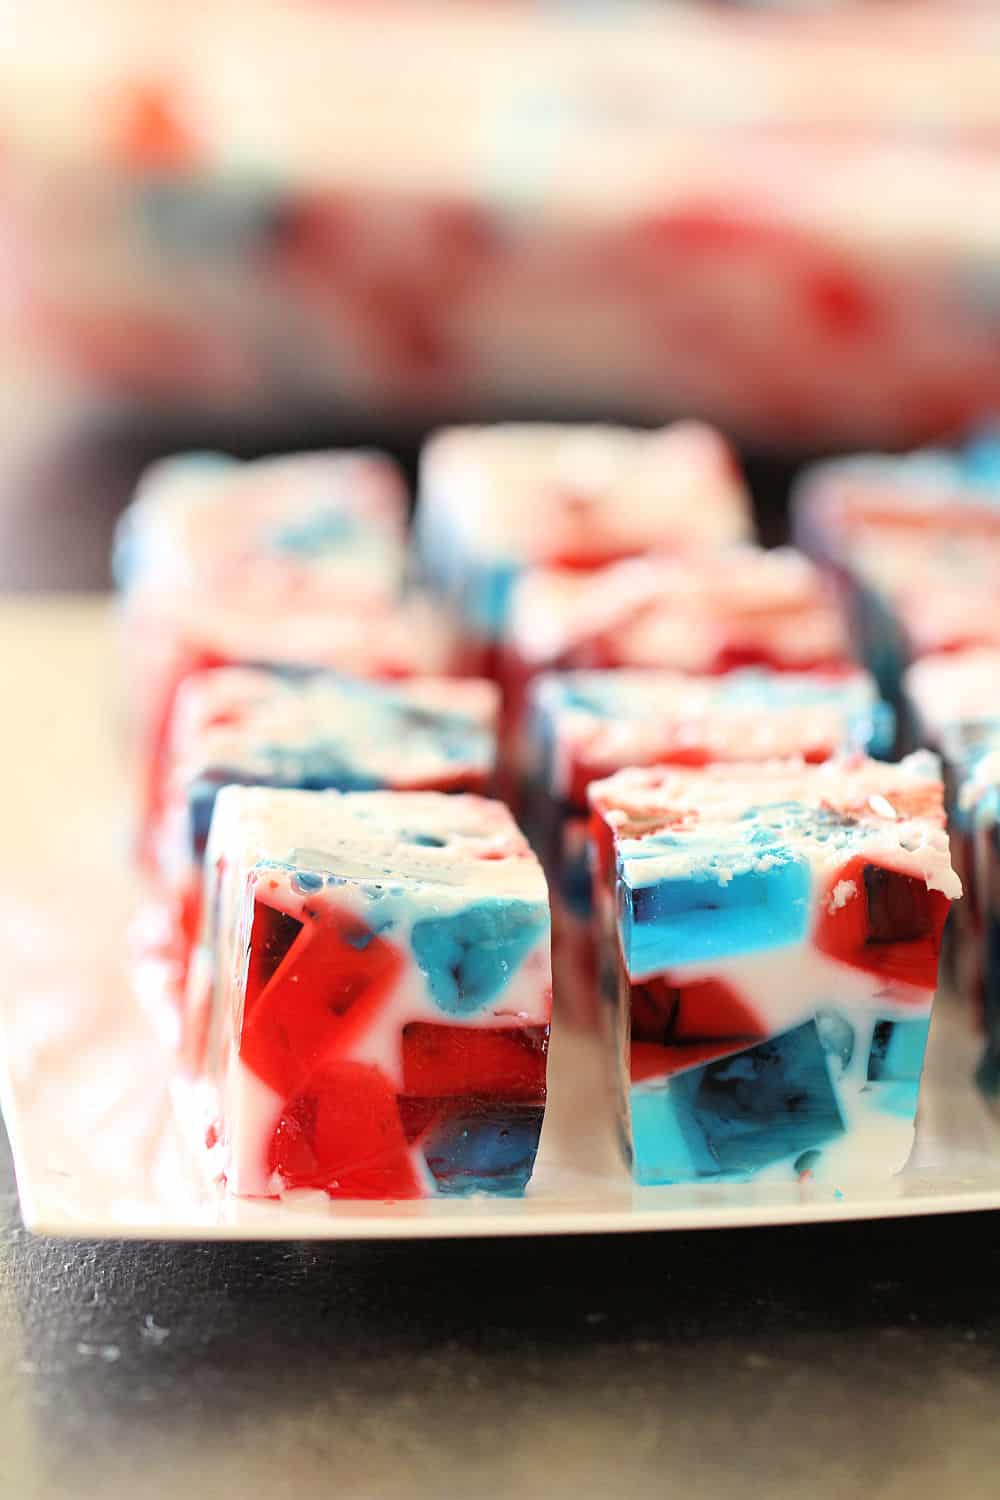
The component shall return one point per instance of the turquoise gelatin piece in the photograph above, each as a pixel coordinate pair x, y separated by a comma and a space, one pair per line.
698, 917
326, 530
733, 1117
487, 596
897, 1098
897, 1050
469, 956
662, 1149
491, 1151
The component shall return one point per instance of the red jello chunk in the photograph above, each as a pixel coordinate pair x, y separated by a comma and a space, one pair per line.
890, 925
451, 1061
680, 1026
306, 1002
342, 1134
450, 1070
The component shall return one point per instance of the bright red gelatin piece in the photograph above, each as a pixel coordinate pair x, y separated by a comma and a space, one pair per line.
457, 1061
325, 988
680, 1026
342, 1134
884, 922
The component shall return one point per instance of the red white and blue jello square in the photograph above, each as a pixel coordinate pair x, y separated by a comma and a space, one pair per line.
913, 542
583, 726
495, 501
291, 560
703, 612
374, 991
334, 523
771, 953
587, 725
405, 640
313, 731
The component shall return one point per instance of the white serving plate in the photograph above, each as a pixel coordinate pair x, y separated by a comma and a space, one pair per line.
85, 1077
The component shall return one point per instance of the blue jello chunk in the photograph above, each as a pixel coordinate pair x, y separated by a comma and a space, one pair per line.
897, 1050
485, 1153
201, 801
317, 769
980, 459
880, 641
325, 531
469, 956
875, 731
988, 1071
486, 598
187, 218
664, 1146
897, 1098
575, 884
696, 918
733, 1117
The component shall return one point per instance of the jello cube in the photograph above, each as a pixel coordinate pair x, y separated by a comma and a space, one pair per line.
372, 994
705, 612
770, 952
495, 501
314, 731
583, 726
953, 703
333, 522
297, 559
398, 642
913, 543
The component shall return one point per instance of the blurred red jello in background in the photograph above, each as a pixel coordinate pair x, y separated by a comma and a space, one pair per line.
788, 222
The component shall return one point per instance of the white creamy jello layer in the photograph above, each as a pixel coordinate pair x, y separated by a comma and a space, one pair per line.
711, 819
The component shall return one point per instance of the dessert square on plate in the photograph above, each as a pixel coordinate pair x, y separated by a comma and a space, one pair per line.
370, 1002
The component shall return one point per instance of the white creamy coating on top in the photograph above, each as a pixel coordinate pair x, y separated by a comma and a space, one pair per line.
374, 836
707, 811
528, 492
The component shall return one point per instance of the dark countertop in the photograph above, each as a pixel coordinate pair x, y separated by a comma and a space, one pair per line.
815, 1362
